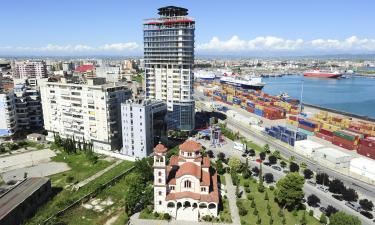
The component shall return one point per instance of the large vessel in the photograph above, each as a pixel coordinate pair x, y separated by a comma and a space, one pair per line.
204, 75
245, 82
322, 74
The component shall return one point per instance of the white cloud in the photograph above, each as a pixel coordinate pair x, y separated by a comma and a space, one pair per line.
271, 43
116, 47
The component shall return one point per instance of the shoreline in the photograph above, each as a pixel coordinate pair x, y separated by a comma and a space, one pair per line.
339, 112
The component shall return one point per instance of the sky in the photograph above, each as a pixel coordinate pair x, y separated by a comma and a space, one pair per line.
244, 27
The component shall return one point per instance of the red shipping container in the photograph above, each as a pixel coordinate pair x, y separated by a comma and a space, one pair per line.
350, 145
366, 151
306, 128
368, 142
324, 137
249, 109
294, 118
326, 132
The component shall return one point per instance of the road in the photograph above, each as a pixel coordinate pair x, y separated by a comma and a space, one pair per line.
366, 189
325, 198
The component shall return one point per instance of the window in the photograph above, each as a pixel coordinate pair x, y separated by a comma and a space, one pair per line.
159, 202
187, 184
159, 173
189, 154
172, 187
160, 192
203, 189
159, 180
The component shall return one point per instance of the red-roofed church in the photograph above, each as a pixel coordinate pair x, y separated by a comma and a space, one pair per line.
187, 188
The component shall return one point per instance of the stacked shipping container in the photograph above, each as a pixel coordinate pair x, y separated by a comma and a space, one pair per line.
285, 135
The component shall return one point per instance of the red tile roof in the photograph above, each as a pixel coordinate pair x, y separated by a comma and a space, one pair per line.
160, 148
189, 168
173, 161
84, 68
190, 146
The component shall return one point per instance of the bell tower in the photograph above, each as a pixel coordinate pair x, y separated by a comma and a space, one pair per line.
160, 178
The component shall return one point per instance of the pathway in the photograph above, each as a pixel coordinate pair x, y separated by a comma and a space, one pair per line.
231, 193
93, 177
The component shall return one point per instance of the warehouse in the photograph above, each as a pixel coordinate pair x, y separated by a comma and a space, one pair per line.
332, 157
307, 147
363, 167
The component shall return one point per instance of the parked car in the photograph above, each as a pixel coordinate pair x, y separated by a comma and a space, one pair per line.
354, 205
311, 182
367, 214
338, 197
323, 209
258, 160
244, 155
323, 188
278, 168
267, 163
286, 171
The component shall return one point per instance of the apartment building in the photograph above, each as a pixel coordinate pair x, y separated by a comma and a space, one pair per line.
88, 111
168, 62
31, 70
143, 126
8, 117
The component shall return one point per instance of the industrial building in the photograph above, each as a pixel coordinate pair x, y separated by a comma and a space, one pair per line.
363, 167
331, 157
143, 126
306, 147
89, 111
21, 201
168, 61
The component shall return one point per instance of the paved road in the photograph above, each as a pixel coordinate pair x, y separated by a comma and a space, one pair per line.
231, 190
366, 189
325, 198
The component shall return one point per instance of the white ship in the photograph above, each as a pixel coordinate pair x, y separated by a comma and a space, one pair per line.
245, 82
204, 75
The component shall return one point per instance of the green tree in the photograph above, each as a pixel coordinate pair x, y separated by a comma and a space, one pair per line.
234, 164
341, 218
133, 192
266, 196
144, 167
283, 164
219, 166
323, 219
266, 148
289, 191
276, 154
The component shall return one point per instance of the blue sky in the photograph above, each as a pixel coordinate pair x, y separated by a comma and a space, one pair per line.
233, 26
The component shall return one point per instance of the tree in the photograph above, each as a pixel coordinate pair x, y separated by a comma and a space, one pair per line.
255, 170
221, 156
219, 166
234, 176
323, 219
266, 148
313, 200
308, 174
341, 218
251, 152
293, 167
331, 210
234, 164
262, 155
272, 159
350, 195
268, 177
246, 173
336, 186
276, 154
283, 164
238, 192
210, 153
289, 192
133, 191
266, 196
144, 167
366, 204
322, 178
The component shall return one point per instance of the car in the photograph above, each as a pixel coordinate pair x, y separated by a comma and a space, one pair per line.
354, 205
311, 183
258, 160
367, 214
323, 188
323, 209
276, 168
286, 171
267, 163
338, 197
244, 155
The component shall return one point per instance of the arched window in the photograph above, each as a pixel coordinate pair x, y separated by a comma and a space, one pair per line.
161, 159
187, 184
159, 180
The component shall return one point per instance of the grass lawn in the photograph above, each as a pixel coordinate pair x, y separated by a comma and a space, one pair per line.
1, 181
222, 179
81, 169
224, 214
261, 205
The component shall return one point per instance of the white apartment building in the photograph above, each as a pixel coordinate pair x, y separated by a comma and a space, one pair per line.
30, 70
168, 61
110, 73
89, 111
143, 125
8, 117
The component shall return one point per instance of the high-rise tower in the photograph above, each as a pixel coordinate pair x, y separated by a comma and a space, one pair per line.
169, 58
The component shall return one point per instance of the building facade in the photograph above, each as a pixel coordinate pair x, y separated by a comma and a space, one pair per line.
143, 125
8, 117
31, 71
168, 62
187, 188
89, 111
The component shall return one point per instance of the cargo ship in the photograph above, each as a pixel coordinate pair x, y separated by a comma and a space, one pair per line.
245, 82
322, 74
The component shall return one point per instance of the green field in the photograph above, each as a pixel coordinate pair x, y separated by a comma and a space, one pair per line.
261, 205
81, 168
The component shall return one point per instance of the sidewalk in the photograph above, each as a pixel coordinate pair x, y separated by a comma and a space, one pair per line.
231, 192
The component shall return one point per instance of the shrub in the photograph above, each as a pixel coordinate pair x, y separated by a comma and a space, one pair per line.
295, 213
255, 213
250, 197
246, 184
247, 190
69, 179
272, 188
323, 219
207, 218
166, 216
156, 214
280, 213
252, 204
242, 211
311, 212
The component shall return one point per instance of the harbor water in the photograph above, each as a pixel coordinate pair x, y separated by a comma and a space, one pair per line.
354, 95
